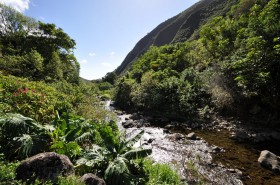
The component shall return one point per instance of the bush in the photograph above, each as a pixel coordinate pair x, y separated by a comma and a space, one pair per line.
33, 99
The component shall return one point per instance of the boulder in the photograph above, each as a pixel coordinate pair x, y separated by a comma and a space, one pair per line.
176, 137
166, 131
135, 116
270, 161
44, 166
191, 136
91, 179
128, 124
216, 149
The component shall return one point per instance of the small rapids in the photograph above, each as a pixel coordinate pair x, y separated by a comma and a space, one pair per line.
192, 159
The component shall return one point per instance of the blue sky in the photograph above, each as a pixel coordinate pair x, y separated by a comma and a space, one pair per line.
104, 30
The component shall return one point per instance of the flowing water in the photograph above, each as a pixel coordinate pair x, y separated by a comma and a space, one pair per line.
214, 159
243, 156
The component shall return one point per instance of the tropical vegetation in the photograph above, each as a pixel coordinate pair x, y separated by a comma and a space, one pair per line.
46, 107
232, 68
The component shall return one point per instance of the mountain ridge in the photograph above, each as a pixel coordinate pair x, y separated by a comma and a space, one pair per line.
178, 28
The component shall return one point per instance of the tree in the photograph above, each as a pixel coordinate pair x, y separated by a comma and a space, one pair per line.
53, 69
32, 43
110, 77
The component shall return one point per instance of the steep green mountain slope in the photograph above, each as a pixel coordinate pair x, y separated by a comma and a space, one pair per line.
232, 67
179, 28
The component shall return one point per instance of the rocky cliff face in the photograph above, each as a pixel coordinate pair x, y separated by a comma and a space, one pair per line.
179, 28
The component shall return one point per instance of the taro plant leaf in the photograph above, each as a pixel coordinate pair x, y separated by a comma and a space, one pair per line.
84, 136
136, 138
117, 172
137, 154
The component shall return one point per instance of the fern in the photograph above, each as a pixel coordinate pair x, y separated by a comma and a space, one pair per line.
26, 144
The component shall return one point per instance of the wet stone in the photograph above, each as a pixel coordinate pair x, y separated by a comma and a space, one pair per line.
191, 136
270, 161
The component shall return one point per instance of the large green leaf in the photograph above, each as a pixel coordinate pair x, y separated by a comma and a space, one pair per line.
136, 138
137, 154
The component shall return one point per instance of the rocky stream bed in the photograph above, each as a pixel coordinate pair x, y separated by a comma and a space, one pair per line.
219, 156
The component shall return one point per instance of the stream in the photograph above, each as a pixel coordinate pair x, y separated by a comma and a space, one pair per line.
209, 158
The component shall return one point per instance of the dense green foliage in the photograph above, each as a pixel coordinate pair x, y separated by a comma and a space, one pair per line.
115, 160
41, 94
94, 147
232, 66
42, 101
35, 50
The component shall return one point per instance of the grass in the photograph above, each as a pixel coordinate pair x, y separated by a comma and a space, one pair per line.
161, 174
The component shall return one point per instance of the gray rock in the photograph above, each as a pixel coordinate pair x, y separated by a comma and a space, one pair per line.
166, 131
91, 179
146, 124
134, 116
176, 137
270, 161
151, 140
237, 172
216, 149
44, 166
191, 136
128, 124
169, 126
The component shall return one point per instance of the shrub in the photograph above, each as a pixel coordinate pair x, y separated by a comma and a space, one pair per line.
161, 174
33, 99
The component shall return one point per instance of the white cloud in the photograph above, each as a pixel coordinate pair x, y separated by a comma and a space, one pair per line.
112, 53
42, 18
92, 54
106, 64
84, 61
19, 5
